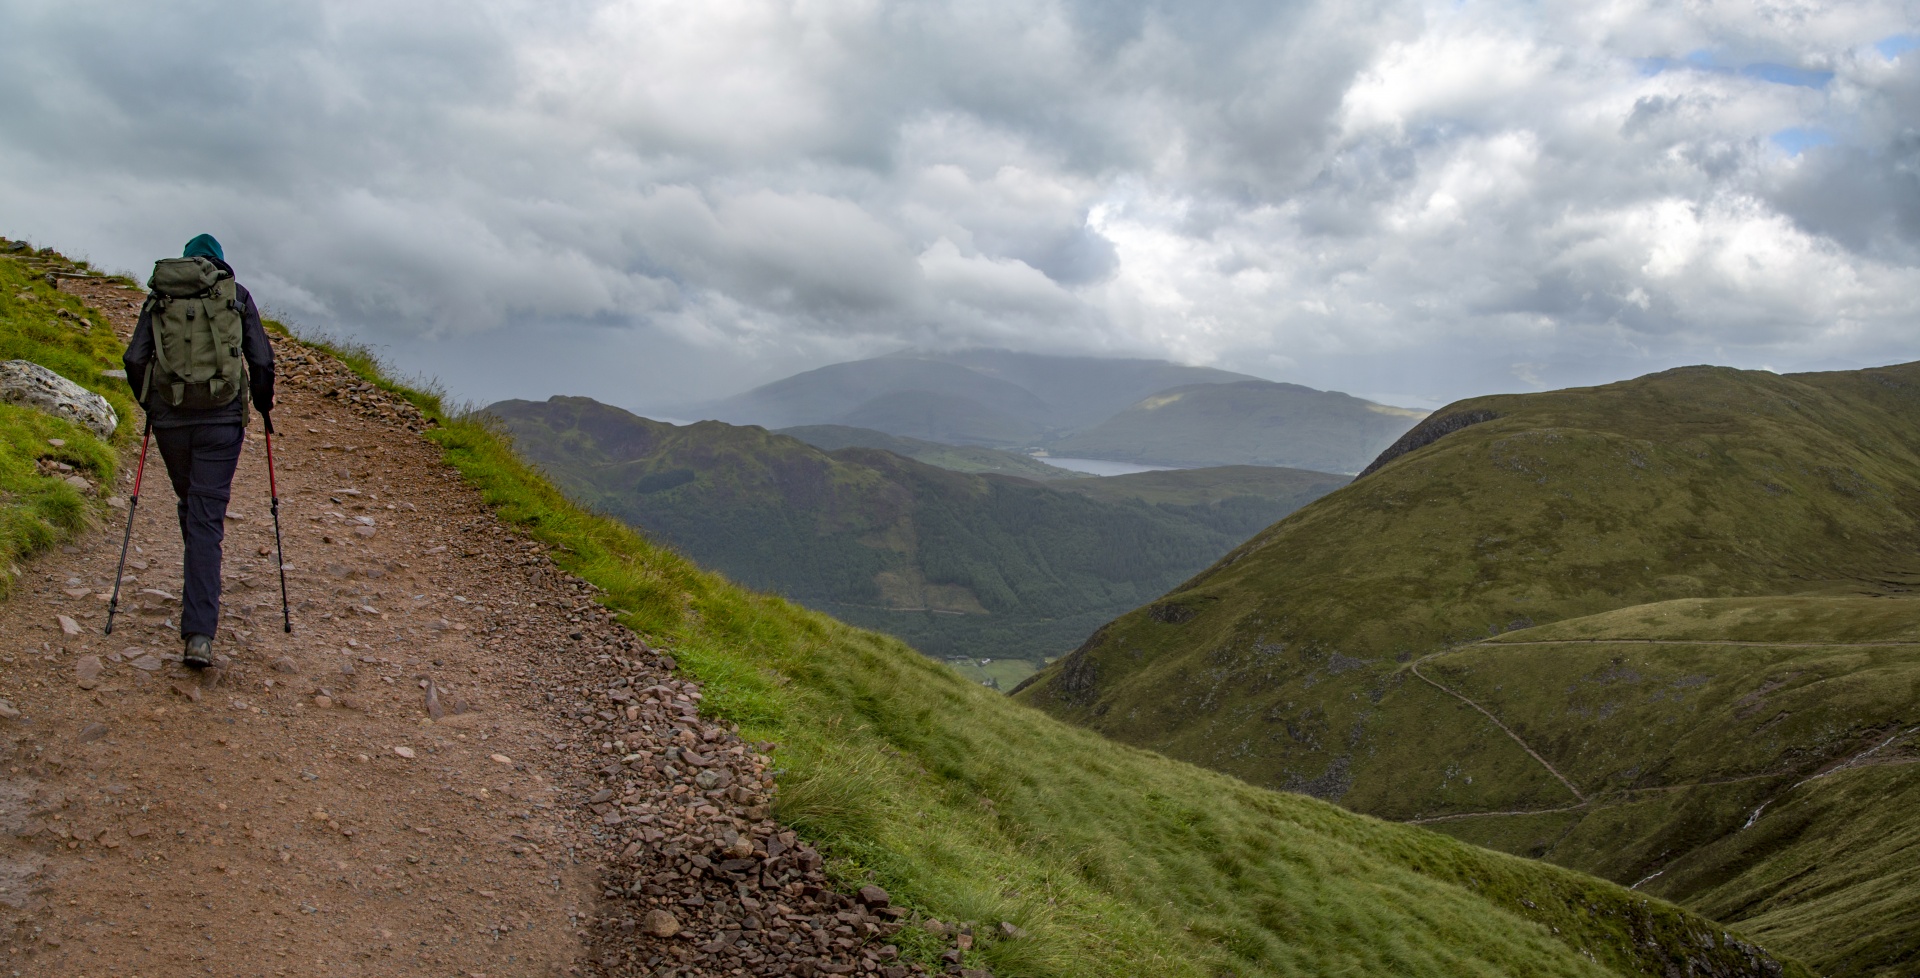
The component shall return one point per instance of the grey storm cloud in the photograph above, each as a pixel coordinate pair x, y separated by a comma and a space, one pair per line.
647, 201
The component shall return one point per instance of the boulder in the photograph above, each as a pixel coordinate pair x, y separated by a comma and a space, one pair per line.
30, 385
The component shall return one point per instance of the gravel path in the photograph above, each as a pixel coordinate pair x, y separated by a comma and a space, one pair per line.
458, 764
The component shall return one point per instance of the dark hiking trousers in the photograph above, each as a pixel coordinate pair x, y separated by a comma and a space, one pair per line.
200, 462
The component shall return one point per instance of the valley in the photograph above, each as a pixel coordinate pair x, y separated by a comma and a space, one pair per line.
960, 490
1746, 756
965, 565
1603, 627
904, 795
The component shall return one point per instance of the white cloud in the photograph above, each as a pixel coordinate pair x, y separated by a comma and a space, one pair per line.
1379, 196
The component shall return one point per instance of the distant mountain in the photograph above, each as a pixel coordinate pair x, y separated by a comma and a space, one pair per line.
1145, 411
950, 418
1252, 422
1081, 391
975, 396
959, 458
827, 395
957, 564
1665, 630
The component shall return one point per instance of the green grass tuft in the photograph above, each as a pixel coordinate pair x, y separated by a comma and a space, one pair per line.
38, 511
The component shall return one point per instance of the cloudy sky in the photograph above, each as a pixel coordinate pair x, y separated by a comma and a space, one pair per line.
656, 203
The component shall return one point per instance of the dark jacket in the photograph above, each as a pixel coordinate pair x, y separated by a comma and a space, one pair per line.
253, 346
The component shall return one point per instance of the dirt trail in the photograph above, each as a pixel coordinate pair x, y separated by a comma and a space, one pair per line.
1500, 643
298, 812
1577, 793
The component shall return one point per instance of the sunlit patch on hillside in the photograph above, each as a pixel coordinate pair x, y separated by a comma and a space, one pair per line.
906, 589
1397, 412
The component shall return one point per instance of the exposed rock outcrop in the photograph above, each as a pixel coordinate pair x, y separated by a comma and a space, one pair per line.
29, 384
1426, 433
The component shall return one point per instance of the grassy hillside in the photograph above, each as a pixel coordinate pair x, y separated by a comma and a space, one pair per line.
1294, 661
967, 806
1248, 423
959, 565
1236, 500
959, 458
1750, 757
38, 508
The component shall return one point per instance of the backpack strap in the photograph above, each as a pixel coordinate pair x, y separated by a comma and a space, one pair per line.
160, 359
156, 305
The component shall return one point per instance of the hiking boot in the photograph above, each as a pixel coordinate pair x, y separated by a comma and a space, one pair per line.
199, 654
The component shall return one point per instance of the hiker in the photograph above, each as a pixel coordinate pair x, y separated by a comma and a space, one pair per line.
197, 356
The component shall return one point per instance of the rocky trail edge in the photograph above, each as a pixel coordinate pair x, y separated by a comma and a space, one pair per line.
457, 764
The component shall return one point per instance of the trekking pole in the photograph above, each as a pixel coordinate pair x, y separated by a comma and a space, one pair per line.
279, 549
133, 503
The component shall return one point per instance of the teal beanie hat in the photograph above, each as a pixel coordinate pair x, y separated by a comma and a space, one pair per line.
203, 246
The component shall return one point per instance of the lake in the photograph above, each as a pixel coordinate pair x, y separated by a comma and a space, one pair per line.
1098, 466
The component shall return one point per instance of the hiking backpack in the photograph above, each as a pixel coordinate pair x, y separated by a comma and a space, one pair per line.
197, 327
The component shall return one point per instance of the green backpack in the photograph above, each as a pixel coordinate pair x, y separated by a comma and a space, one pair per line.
197, 330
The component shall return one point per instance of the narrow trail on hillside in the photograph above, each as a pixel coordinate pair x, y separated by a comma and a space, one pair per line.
1701, 641
1602, 803
457, 764
1586, 802
1458, 816
1577, 793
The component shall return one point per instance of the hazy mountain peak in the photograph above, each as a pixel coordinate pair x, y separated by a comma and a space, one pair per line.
1011, 399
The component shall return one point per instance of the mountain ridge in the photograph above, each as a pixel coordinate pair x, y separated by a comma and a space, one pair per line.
1305, 659
1128, 410
1253, 422
1044, 391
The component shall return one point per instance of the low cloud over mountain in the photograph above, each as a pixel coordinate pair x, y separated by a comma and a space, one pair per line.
656, 202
